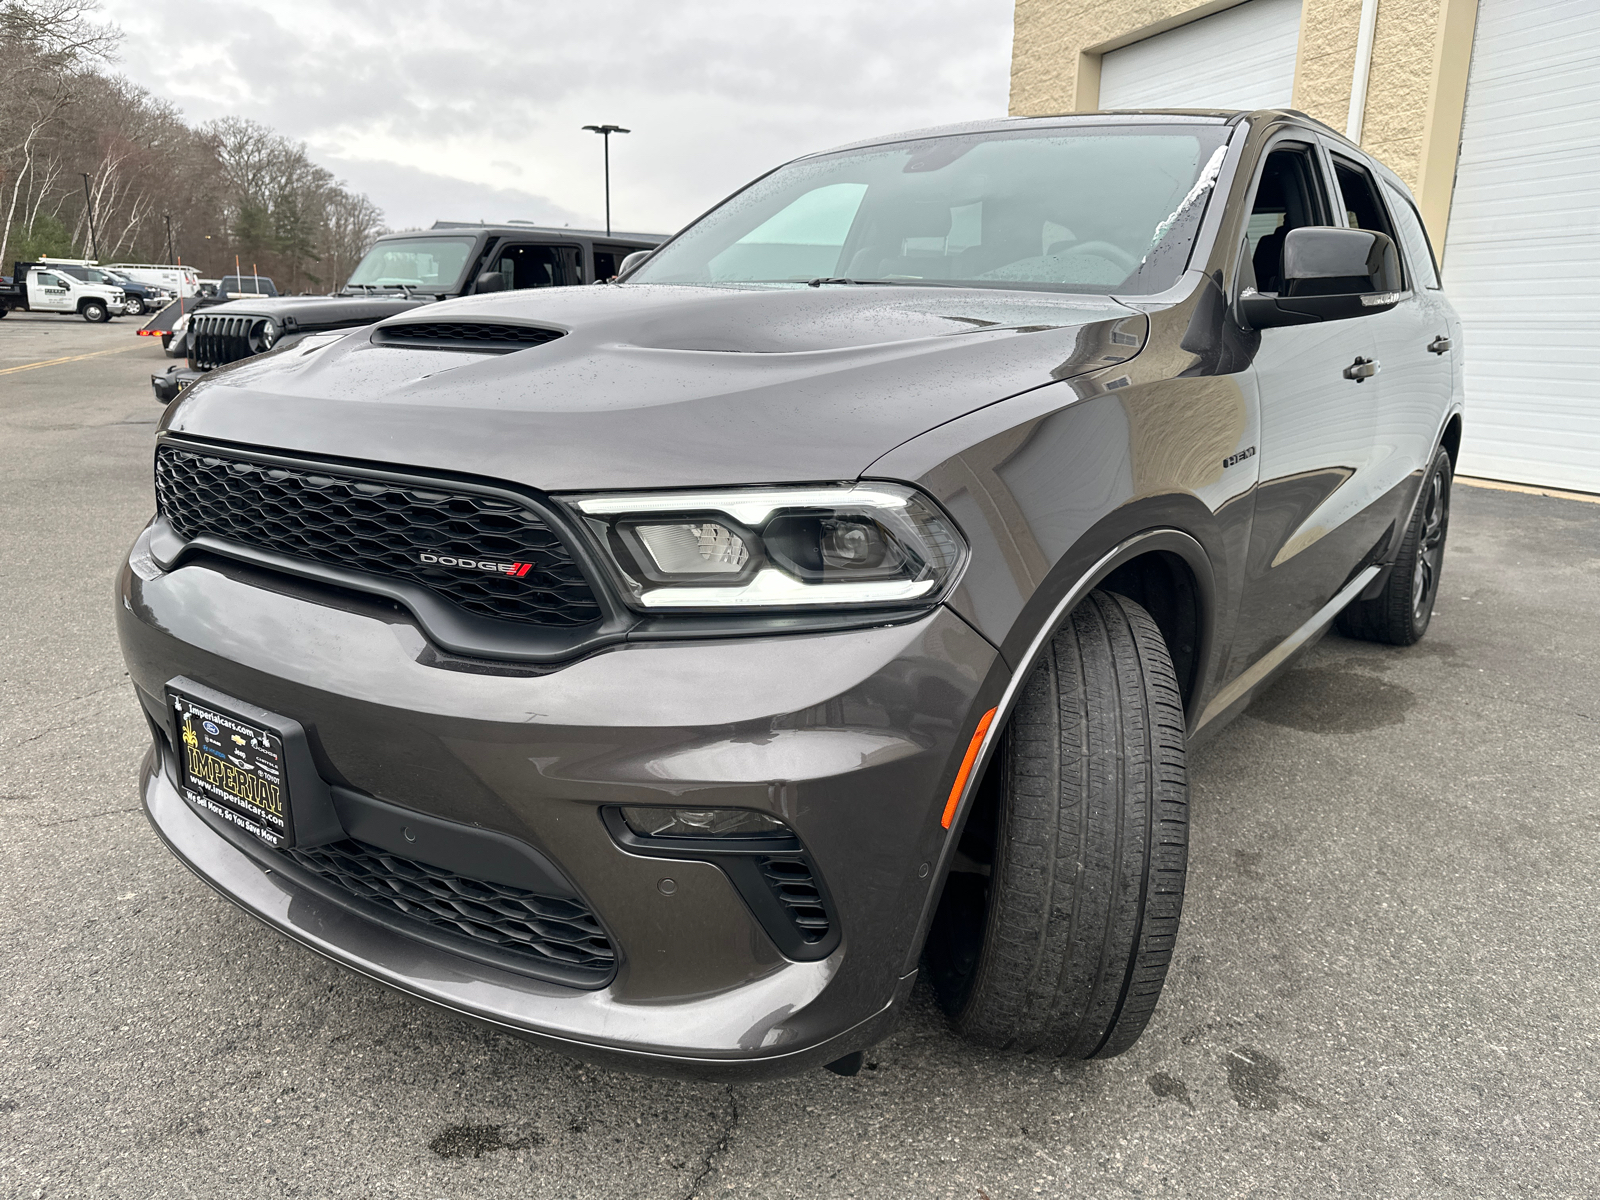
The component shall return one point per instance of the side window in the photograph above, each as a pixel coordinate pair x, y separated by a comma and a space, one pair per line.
1362, 208
1413, 237
537, 266
608, 259
50, 281
1287, 197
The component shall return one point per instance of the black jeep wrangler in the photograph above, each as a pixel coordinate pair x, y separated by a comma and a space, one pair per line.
400, 272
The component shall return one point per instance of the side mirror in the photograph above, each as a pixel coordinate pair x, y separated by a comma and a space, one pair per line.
489, 281
1328, 275
630, 261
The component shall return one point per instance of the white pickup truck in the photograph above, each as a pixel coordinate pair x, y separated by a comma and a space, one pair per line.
38, 287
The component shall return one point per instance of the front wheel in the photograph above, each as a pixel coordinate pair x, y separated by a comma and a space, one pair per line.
1400, 613
133, 306
1090, 848
95, 312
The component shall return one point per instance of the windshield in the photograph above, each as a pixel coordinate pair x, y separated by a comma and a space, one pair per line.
1107, 210
413, 262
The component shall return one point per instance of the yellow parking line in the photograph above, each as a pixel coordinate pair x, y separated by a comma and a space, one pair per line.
50, 362
1526, 489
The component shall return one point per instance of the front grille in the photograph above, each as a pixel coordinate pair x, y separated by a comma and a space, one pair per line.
220, 340
382, 528
543, 929
796, 889
464, 335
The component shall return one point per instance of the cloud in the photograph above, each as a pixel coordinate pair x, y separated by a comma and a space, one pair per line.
414, 199
494, 93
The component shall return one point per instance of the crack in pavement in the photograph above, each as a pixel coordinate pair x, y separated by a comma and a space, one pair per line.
720, 1149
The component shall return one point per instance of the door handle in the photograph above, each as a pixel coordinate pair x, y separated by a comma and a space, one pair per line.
1362, 368
1440, 345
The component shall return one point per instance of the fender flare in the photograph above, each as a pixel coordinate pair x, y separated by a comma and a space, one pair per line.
1169, 539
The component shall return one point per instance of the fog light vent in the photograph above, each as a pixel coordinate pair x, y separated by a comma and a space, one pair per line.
794, 887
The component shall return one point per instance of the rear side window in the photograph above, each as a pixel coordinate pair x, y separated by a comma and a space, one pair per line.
537, 266
1413, 238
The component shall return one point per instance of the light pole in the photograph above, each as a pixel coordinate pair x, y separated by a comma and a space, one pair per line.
606, 131
88, 200
167, 217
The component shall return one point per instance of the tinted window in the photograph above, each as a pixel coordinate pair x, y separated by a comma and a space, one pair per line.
1413, 238
608, 260
536, 266
1362, 209
1287, 197
1084, 210
250, 284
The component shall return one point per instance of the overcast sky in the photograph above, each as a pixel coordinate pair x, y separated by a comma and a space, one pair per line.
474, 108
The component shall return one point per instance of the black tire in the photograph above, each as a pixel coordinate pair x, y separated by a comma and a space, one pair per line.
133, 307
1091, 845
94, 312
1399, 614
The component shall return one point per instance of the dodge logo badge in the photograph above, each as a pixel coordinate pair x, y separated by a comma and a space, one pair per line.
515, 569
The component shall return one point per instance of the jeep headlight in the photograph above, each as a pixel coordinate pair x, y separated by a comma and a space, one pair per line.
871, 544
264, 336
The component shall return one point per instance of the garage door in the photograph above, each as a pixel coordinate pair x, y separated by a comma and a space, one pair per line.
1242, 57
1522, 256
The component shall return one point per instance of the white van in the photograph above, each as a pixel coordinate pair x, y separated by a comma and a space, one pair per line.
184, 281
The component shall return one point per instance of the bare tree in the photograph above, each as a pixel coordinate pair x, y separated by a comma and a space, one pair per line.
230, 188
46, 46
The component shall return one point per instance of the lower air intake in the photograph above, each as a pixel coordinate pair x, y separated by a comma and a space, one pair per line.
540, 930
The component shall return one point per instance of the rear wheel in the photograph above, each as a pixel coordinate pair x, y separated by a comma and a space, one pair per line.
94, 312
1064, 948
1400, 613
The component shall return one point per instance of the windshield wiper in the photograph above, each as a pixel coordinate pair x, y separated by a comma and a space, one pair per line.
887, 282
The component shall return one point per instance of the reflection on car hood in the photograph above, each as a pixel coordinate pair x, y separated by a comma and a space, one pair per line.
660, 385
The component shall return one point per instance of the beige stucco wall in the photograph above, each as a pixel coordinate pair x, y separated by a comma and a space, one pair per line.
1415, 92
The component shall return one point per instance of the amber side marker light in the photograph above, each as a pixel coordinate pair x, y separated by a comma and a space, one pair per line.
966, 768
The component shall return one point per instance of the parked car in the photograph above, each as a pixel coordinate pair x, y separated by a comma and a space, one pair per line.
403, 271
138, 298
673, 672
35, 287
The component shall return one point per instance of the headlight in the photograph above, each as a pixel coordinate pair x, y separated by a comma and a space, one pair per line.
879, 544
264, 335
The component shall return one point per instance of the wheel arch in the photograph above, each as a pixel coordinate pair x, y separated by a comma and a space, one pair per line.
1137, 567
1451, 439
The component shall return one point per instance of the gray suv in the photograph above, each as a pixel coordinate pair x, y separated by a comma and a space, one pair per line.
676, 671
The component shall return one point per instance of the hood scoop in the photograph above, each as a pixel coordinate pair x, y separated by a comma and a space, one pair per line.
482, 337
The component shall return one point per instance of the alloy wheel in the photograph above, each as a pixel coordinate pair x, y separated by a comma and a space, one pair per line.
1430, 546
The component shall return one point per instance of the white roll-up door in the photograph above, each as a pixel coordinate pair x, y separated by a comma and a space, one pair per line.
1242, 57
1522, 256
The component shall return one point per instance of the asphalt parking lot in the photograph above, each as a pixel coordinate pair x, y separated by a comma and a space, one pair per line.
1385, 985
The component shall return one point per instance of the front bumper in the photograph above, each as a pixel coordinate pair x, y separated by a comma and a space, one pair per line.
851, 737
167, 384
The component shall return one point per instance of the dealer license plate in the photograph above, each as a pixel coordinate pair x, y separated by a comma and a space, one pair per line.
234, 769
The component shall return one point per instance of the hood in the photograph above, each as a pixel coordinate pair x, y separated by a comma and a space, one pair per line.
309, 313
662, 385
